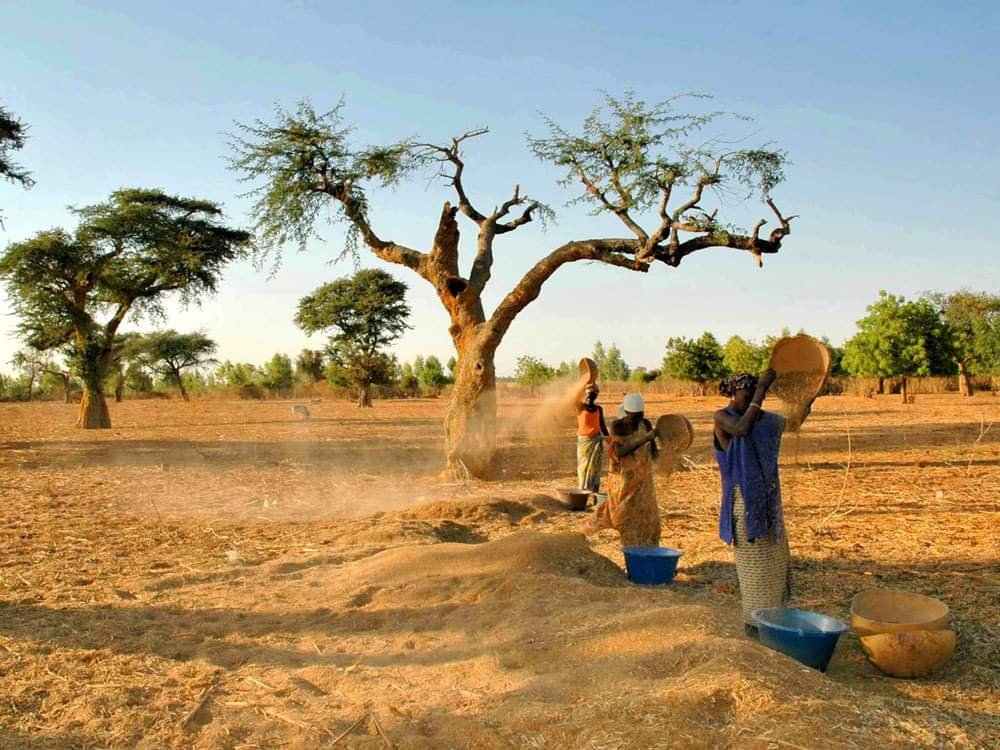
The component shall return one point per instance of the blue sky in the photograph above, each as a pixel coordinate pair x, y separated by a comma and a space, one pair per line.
888, 111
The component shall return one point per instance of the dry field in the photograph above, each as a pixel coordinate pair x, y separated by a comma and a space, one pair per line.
220, 575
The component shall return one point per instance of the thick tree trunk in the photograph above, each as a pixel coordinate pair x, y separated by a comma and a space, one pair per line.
67, 389
94, 413
904, 390
365, 398
965, 386
93, 408
470, 427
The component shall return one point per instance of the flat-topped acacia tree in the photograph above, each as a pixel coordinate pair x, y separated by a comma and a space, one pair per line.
125, 257
630, 159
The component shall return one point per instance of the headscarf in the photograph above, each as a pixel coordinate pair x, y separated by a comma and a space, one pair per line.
738, 381
634, 403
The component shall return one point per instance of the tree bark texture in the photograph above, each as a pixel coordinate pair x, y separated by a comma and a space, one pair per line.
94, 413
965, 386
365, 397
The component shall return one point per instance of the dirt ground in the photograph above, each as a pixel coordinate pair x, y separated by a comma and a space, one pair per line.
223, 575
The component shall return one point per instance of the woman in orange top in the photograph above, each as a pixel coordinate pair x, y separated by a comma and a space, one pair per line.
590, 433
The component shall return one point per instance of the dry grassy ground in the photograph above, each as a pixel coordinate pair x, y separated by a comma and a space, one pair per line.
219, 575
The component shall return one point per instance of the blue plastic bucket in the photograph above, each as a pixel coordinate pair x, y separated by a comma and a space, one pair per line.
808, 637
651, 566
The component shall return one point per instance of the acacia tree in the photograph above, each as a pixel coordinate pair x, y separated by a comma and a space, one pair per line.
35, 363
898, 338
973, 319
631, 160
169, 354
13, 134
700, 360
367, 312
125, 257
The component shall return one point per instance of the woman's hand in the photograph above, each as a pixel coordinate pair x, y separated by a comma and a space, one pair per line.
768, 377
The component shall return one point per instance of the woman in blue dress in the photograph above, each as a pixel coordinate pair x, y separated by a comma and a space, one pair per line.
747, 442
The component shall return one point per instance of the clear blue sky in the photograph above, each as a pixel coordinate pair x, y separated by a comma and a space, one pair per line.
889, 111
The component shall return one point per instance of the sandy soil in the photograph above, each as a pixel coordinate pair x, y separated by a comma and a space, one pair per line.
222, 575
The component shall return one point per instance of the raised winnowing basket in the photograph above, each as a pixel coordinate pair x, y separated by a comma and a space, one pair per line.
803, 365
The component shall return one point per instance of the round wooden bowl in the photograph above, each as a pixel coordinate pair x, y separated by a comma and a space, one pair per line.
588, 371
909, 653
879, 611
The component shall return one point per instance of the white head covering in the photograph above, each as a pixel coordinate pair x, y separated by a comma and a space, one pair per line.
621, 412
634, 403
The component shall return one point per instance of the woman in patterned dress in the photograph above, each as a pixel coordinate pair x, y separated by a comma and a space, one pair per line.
631, 507
747, 442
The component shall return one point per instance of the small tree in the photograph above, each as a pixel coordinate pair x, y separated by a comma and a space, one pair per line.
645, 164
973, 319
531, 371
367, 312
309, 366
238, 374
742, 355
170, 354
407, 379
125, 257
432, 375
277, 373
899, 339
609, 363
700, 360
32, 363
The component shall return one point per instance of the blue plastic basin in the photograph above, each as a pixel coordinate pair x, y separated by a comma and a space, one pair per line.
651, 566
808, 637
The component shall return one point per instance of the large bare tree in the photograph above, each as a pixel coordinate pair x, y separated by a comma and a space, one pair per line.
630, 159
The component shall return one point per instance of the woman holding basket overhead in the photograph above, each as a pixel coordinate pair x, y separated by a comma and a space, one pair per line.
747, 441
631, 507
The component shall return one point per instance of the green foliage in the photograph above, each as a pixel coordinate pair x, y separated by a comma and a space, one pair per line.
642, 375
238, 374
432, 374
531, 371
610, 364
126, 255
407, 378
452, 364
566, 370
629, 151
277, 373
309, 366
304, 159
366, 312
700, 360
742, 355
973, 319
13, 134
900, 338
170, 354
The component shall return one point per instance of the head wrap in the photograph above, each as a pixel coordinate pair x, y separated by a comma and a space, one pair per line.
591, 388
634, 403
621, 412
738, 381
